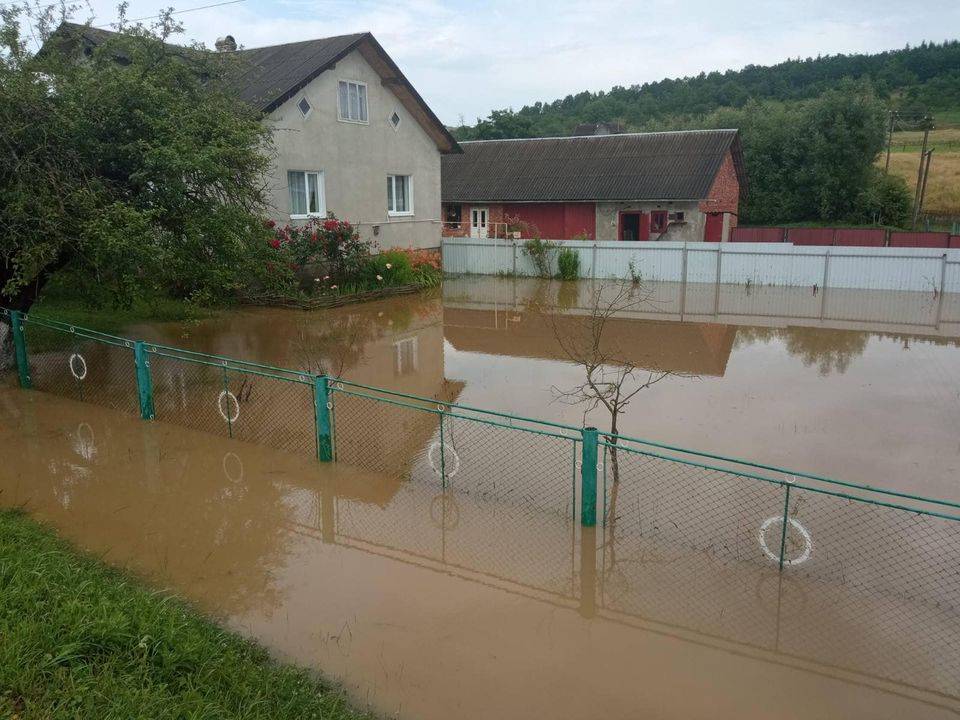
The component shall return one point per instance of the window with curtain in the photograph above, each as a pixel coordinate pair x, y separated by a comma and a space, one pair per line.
353, 101
399, 195
306, 193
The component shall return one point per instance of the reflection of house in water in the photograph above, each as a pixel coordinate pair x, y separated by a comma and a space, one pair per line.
693, 348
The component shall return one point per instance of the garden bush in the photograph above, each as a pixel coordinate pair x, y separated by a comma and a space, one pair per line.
568, 261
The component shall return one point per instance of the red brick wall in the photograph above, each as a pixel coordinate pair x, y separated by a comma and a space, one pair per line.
724, 195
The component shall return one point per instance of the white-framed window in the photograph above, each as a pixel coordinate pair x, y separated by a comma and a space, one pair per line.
352, 101
395, 120
399, 195
405, 356
306, 194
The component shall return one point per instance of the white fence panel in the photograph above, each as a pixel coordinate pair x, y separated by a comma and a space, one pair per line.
928, 270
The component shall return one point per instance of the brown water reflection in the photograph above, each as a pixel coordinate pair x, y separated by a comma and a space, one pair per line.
870, 393
436, 605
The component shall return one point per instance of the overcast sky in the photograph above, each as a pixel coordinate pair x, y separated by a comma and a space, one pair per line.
468, 58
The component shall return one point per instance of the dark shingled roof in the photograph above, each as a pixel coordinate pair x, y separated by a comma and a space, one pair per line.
635, 166
278, 71
274, 74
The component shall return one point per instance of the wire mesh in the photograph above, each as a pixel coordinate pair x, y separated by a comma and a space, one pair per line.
910, 555
244, 405
71, 364
659, 505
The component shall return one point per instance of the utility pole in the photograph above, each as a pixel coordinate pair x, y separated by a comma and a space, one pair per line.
923, 185
893, 114
923, 155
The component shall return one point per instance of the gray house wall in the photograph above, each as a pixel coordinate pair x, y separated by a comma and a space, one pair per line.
691, 231
356, 158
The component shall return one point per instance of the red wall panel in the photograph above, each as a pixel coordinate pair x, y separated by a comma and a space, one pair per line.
919, 239
756, 234
955, 241
860, 237
557, 221
579, 218
810, 236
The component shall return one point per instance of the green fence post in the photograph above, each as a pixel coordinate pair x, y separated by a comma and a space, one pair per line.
783, 529
588, 478
443, 458
20, 348
144, 380
321, 402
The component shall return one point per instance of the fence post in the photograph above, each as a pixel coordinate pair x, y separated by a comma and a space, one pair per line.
588, 478
593, 262
514, 243
443, 455
783, 529
826, 279
683, 281
321, 412
144, 381
716, 291
943, 287
20, 348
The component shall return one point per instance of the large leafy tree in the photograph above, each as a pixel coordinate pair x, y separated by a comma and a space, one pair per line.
131, 163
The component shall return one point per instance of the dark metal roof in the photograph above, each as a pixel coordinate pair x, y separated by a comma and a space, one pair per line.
637, 166
272, 75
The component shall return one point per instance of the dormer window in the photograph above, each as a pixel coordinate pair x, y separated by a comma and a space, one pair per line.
395, 120
304, 106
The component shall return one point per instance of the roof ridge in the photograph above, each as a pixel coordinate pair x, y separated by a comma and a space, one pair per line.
301, 42
600, 137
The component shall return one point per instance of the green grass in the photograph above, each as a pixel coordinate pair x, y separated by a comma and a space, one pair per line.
80, 640
60, 301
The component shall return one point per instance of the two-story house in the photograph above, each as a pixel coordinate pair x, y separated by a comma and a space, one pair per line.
351, 135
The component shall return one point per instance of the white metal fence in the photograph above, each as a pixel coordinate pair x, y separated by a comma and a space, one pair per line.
758, 264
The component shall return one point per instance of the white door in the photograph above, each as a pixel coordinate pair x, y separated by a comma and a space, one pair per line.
478, 222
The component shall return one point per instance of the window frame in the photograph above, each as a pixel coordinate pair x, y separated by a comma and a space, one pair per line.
366, 95
306, 114
321, 195
664, 217
396, 128
392, 195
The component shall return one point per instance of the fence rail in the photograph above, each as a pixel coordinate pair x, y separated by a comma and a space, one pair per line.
905, 269
899, 549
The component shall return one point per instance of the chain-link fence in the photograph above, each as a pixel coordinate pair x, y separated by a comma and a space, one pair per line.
880, 568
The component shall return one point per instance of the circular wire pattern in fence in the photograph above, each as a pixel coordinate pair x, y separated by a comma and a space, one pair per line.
794, 524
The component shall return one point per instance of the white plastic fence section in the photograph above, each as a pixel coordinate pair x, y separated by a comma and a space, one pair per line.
759, 264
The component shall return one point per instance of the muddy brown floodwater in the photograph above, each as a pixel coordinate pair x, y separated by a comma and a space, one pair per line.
432, 604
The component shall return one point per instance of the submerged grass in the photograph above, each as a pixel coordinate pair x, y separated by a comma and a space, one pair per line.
80, 640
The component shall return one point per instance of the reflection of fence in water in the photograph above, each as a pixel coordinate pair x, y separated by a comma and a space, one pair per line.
684, 535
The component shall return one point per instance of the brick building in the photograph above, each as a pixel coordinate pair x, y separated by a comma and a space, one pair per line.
638, 186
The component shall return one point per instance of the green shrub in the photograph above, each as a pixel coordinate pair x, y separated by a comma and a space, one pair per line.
540, 251
391, 267
568, 261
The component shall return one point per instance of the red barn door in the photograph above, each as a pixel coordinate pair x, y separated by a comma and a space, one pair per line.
713, 229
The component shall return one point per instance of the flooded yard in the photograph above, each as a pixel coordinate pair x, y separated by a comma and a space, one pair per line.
470, 600
873, 397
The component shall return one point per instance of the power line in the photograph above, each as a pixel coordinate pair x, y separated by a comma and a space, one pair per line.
175, 12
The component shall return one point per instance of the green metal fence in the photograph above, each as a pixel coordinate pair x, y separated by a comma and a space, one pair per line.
901, 549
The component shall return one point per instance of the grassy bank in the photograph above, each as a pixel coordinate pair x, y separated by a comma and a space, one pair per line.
79, 640
61, 301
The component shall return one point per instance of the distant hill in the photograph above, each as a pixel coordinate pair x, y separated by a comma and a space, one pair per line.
915, 79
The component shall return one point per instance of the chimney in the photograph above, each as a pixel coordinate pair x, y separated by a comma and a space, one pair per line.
226, 44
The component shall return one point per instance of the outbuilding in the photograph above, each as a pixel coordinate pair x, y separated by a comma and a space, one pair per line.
633, 187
